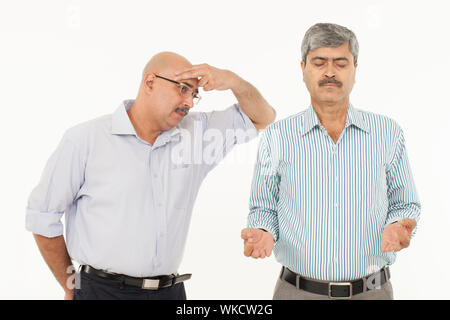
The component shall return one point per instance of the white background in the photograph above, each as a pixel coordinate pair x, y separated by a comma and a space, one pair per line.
65, 62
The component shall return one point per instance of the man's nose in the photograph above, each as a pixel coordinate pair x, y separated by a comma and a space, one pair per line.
330, 72
188, 102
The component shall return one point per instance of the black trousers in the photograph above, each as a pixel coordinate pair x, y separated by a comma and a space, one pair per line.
92, 287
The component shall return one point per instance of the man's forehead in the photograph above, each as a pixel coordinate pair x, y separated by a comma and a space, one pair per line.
331, 52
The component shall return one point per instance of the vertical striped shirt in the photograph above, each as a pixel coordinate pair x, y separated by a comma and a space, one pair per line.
327, 203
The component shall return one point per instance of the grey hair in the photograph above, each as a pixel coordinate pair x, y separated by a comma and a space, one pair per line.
329, 35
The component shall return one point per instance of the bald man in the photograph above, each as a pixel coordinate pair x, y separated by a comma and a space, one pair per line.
127, 182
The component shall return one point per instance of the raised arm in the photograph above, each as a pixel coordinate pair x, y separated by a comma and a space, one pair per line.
250, 100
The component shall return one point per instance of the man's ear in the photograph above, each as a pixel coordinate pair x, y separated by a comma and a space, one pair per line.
303, 65
148, 81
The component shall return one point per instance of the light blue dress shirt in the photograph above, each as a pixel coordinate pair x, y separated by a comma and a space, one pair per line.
127, 203
327, 203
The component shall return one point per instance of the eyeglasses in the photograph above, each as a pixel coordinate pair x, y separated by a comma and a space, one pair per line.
185, 89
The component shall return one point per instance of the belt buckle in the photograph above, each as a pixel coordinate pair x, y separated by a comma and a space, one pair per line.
340, 284
150, 284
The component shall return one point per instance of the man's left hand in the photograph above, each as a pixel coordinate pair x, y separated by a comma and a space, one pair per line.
397, 236
210, 78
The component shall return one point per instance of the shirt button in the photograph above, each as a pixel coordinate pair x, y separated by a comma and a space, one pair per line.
336, 205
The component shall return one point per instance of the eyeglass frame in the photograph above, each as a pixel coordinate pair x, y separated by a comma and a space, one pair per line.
195, 94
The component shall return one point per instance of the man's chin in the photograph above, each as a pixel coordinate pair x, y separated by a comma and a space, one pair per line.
172, 123
330, 97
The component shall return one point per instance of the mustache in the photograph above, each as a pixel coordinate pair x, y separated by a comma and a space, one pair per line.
331, 80
185, 110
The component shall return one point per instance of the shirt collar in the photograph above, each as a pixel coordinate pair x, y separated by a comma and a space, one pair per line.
354, 117
121, 125
310, 120
167, 136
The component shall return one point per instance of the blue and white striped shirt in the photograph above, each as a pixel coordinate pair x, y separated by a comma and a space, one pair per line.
327, 203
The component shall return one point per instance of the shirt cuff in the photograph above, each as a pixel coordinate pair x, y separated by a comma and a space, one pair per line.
266, 224
47, 224
398, 218
392, 220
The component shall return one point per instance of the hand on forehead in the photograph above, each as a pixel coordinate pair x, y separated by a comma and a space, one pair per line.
203, 75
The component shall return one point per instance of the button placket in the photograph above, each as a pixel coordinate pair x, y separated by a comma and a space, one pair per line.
158, 198
335, 208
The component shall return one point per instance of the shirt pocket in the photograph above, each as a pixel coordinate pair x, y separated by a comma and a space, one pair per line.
181, 184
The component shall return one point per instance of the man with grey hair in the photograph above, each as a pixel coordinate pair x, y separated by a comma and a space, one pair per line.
332, 194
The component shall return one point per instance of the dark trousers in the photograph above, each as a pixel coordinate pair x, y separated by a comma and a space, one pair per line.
94, 288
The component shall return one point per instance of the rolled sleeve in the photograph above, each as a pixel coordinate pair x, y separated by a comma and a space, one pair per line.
264, 192
235, 126
402, 194
222, 130
47, 224
56, 191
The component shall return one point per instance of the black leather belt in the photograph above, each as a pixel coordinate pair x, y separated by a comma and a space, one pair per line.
337, 290
151, 283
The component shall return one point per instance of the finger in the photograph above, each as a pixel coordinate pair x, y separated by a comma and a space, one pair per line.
189, 74
255, 253
268, 252
208, 87
248, 250
203, 82
245, 233
258, 234
390, 248
405, 243
202, 66
385, 245
403, 237
195, 71
408, 223
253, 235
386, 249
408, 230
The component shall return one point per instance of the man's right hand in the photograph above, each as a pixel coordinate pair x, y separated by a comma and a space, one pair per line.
257, 243
68, 295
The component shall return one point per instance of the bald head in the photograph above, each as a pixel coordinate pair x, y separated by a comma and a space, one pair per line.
166, 63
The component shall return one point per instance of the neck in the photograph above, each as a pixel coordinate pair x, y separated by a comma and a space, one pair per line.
332, 115
331, 112
143, 122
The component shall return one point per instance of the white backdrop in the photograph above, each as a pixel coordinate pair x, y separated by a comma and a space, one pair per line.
65, 62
